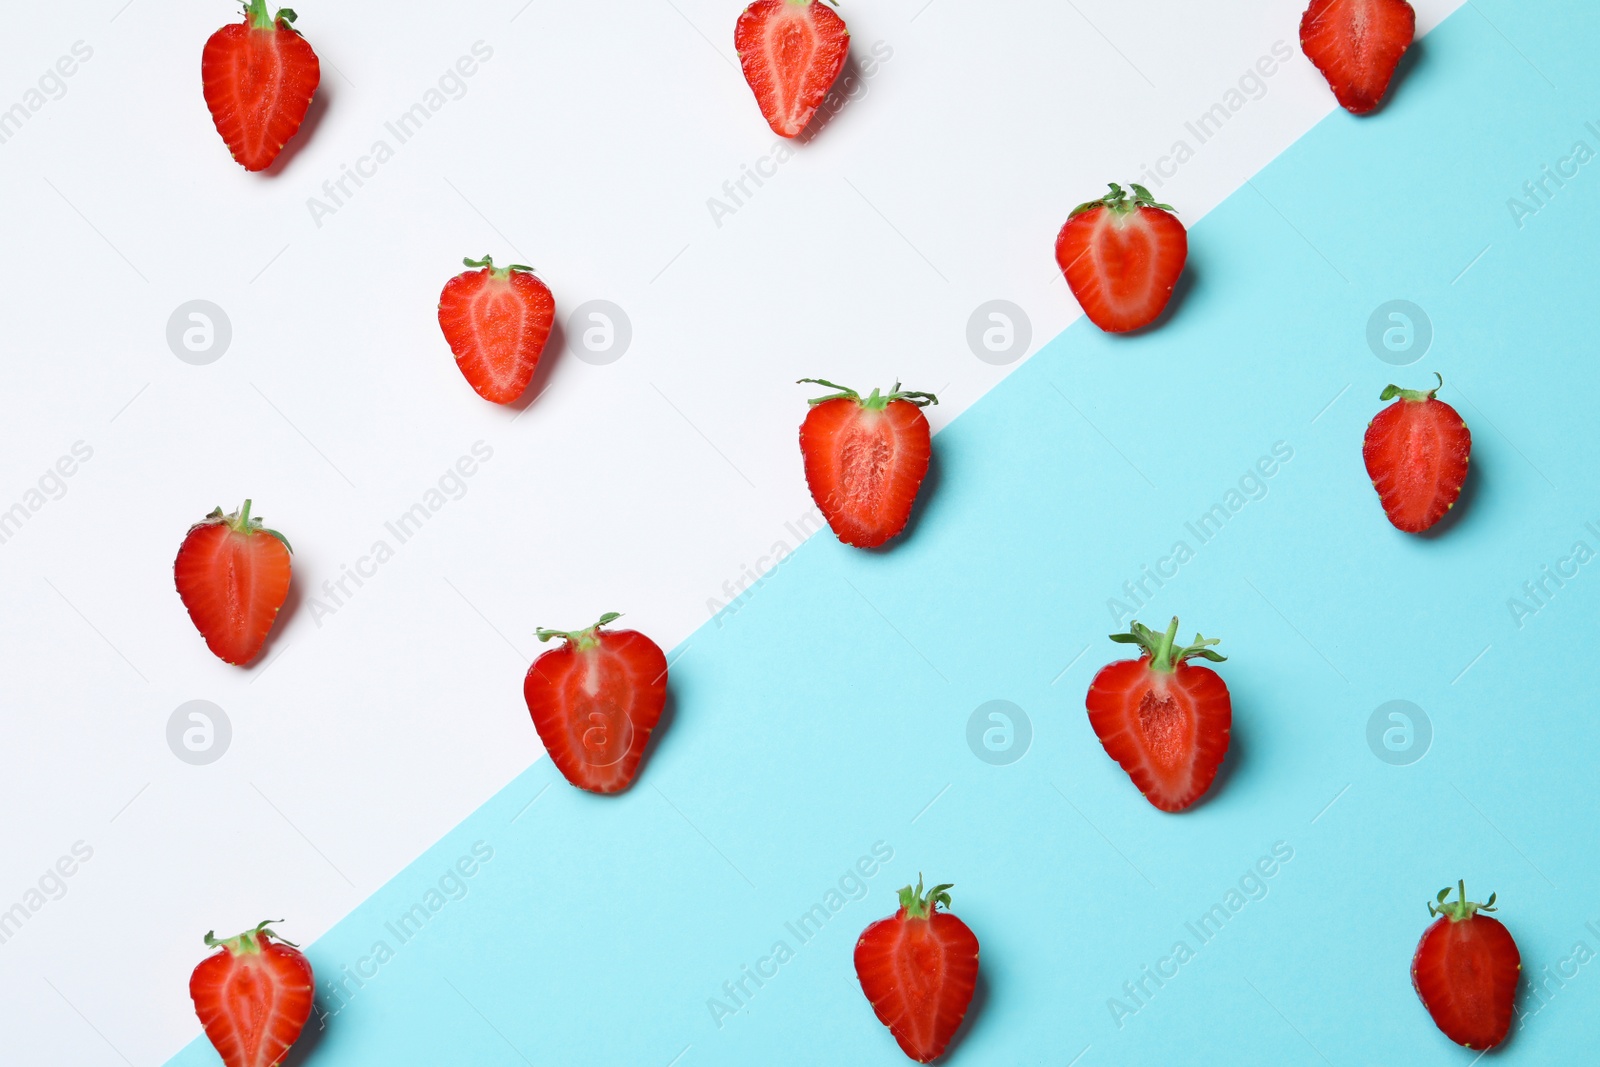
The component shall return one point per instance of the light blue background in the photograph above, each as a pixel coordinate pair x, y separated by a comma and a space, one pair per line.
831, 708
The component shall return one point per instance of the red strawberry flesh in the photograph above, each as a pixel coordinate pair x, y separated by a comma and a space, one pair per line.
865, 459
1357, 44
253, 997
918, 969
1417, 452
1465, 971
259, 77
791, 52
1122, 258
594, 702
1166, 722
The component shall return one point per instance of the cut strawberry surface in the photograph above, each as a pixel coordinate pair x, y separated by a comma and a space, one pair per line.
1417, 452
497, 320
918, 969
259, 77
1357, 44
1166, 721
595, 700
1465, 971
233, 576
791, 52
865, 459
1122, 258
253, 996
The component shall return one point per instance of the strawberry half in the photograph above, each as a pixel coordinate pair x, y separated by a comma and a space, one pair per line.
594, 701
1122, 258
253, 996
1357, 44
1163, 719
233, 576
1465, 971
259, 77
1417, 451
865, 459
791, 52
497, 320
918, 969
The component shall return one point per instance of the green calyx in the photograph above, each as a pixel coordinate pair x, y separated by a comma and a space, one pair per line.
248, 943
1460, 909
919, 905
240, 522
583, 639
877, 401
255, 13
1119, 203
1416, 396
501, 273
1162, 649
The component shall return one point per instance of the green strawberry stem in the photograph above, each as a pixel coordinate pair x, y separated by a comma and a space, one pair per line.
1164, 656
584, 639
1462, 908
1414, 395
487, 263
240, 522
876, 402
248, 942
1119, 203
255, 14
919, 905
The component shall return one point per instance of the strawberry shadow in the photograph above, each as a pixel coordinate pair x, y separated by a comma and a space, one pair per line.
318, 110
919, 507
980, 997
836, 100
555, 347
302, 1051
1225, 773
1469, 493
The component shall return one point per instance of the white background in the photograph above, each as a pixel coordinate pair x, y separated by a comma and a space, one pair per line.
588, 145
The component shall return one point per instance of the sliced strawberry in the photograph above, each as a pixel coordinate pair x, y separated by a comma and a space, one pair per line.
791, 51
253, 996
1465, 971
918, 969
865, 459
1164, 720
594, 701
1122, 258
233, 576
259, 77
497, 320
1357, 44
1417, 451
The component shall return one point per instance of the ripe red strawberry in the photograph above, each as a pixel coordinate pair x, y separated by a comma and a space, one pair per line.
1465, 971
918, 968
496, 320
233, 576
865, 459
791, 51
1357, 44
1417, 451
1165, 720
253, 996
594, 701
259, 77
1122, 258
